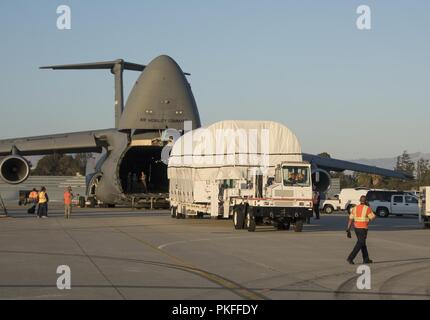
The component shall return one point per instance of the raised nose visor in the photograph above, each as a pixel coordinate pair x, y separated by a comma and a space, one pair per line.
160, 99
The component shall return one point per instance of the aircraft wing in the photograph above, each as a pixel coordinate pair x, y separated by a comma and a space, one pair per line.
329, 164
75, 142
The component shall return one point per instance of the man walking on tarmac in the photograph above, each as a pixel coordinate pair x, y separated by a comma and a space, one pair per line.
360, 215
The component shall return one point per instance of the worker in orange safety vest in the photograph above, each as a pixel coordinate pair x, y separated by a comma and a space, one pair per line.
360, 216
68, 196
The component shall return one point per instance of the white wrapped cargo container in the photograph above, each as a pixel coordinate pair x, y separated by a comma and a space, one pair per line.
211, 170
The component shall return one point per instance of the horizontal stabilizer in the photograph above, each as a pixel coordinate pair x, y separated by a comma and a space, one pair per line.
98, 65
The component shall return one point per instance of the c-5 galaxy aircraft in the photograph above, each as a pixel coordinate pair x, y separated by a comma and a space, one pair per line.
161, 98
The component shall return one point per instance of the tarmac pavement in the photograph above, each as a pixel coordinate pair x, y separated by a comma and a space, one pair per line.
135, 254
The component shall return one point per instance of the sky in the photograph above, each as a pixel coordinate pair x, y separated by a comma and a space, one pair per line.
349, 92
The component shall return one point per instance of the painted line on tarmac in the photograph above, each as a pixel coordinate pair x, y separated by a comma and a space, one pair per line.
91, 260
348, 285
234, 287
165, 265
168, 244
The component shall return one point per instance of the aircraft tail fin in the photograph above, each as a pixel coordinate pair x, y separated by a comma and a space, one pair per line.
116, 67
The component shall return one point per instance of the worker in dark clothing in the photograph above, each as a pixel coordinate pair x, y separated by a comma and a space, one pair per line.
134, 180
143, 182
43, 199
32, 197
316, 199
128, 188
360, 216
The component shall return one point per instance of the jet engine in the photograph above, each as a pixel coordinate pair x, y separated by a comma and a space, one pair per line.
14, 169
321, 180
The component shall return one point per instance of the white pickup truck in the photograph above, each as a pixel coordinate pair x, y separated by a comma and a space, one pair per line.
400, 204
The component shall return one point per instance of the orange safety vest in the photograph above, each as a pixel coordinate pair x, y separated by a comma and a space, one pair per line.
33, 195
67, 197
42, 197
361, 215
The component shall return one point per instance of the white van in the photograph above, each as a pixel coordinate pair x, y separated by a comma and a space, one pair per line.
350, 197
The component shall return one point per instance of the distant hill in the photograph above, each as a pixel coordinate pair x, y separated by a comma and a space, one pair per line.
390, 163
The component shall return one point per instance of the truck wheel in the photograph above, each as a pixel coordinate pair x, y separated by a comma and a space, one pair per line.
328, 209
298, 226
173, 212
382, 212
250, 222
279, 225
238, 218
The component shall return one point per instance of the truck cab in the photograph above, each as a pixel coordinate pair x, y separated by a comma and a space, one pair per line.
285, 200
292, 182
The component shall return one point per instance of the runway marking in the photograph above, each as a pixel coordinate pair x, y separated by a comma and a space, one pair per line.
185, 265
327, 291
350, 283
91, 260
389, 282
162, 246
96, 286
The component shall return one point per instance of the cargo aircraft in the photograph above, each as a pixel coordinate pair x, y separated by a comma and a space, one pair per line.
161, 99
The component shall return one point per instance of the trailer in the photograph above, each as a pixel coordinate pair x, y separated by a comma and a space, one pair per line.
250, 171
424, 206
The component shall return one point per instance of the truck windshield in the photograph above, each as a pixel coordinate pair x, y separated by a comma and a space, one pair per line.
295, 175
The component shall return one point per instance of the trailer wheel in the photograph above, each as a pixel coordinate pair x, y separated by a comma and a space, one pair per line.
250, 222
82, 202
92, 201
298, 226
238, 217
173, 212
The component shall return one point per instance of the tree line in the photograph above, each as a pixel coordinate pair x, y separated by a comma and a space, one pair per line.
62, 165
420, 170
